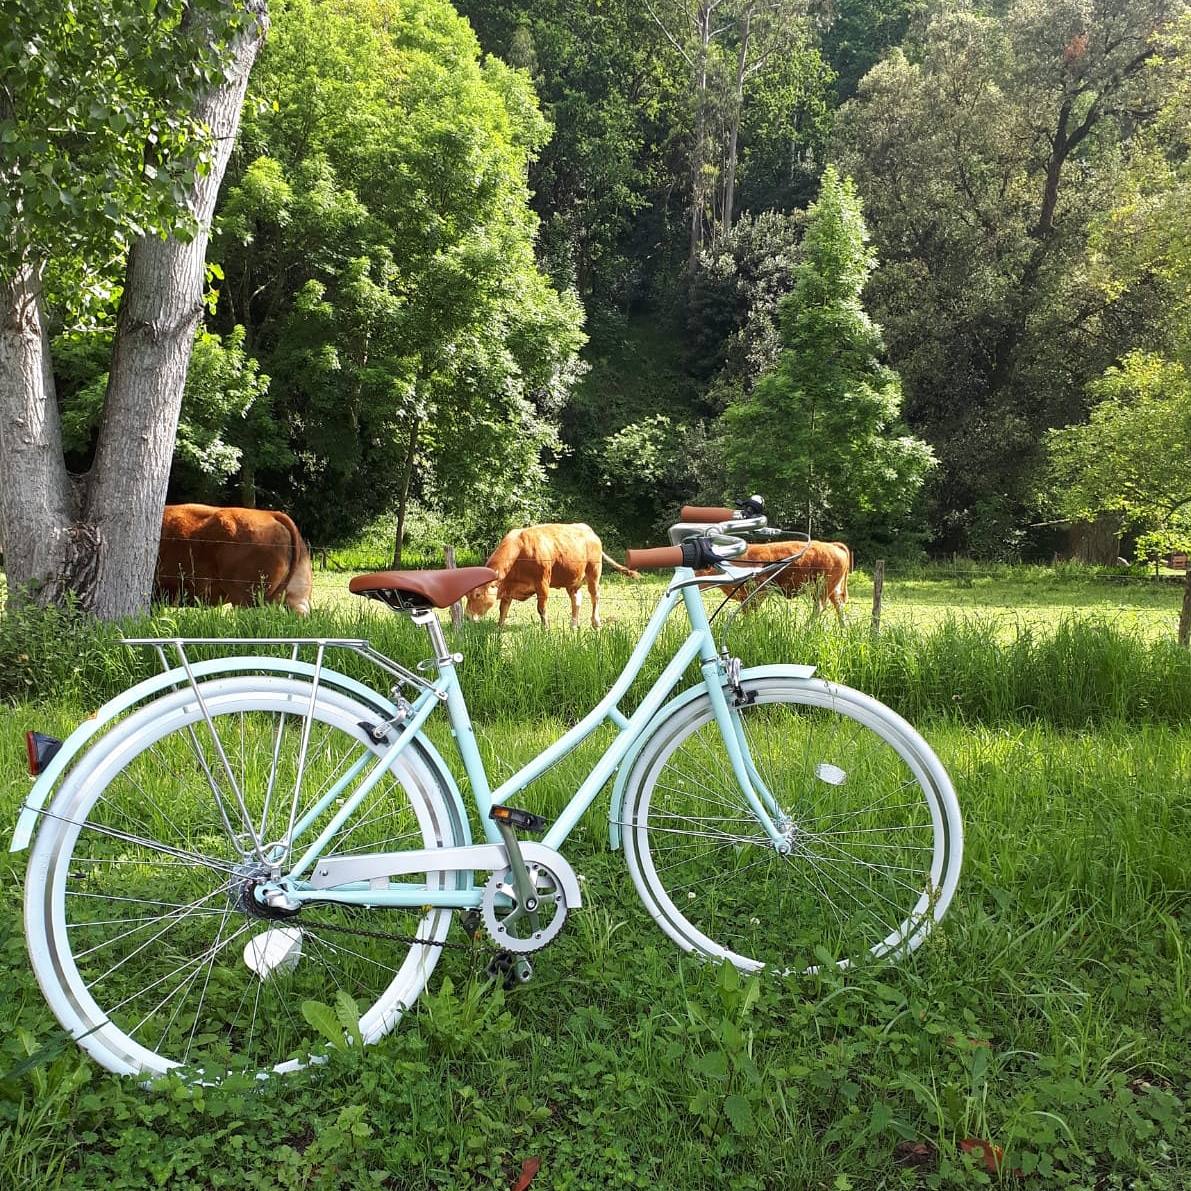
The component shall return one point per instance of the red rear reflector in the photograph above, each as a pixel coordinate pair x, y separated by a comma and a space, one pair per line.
40, 751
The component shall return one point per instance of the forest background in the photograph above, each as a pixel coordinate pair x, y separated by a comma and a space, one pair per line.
512, 261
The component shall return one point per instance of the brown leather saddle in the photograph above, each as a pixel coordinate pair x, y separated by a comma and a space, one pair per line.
409, 590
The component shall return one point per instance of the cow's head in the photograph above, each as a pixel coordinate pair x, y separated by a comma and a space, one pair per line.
481, 601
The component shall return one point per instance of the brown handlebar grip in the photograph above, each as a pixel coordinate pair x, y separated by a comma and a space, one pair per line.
656, 558
707, 515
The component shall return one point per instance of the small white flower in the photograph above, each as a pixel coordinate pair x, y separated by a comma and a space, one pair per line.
755, 921
690, 895
581, 876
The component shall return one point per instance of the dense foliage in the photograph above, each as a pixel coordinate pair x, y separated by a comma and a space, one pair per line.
1129, 457
420, 219
378, 249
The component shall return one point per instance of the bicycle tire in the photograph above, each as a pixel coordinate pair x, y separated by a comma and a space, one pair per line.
715, 883
108, 839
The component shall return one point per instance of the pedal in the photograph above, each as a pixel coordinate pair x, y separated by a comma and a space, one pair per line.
511, 970
515, 817
472, 923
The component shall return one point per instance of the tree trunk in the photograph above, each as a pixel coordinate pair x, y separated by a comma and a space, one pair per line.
247, 482
403, 505
100, 543
161, 306
36, 498
1185, 614
699, 152
735, 117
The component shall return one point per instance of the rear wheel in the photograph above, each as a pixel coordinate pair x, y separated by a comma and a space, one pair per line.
872, 823
144, 929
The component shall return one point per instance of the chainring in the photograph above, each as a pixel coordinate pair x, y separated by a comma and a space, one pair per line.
513, 928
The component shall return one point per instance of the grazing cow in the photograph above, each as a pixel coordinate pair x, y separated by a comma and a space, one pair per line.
823, 566
530, 561
232, 556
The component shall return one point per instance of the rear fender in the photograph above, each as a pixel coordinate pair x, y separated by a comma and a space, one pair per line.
42, 789
616, 804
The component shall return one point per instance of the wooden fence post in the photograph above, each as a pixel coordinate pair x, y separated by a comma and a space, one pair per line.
457, 606
878, 590
1185, 615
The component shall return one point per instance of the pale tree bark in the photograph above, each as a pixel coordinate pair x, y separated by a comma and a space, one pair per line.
104, 548
36, 499
699, 152
689, 26
735, 115
764, 30
161, 308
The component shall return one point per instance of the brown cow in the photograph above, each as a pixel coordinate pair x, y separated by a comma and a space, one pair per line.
530, 561
232, 556
823, 566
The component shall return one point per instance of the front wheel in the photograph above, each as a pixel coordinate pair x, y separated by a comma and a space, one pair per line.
868, 813
143, 927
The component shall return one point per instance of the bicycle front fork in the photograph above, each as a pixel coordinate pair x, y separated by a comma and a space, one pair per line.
728, 701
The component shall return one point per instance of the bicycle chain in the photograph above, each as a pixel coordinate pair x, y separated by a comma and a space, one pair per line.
389, 936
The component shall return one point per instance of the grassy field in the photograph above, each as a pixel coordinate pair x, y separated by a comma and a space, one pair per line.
1050, 1017
1005, 598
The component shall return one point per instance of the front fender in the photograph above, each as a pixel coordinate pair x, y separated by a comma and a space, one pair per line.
616, 803
42, 789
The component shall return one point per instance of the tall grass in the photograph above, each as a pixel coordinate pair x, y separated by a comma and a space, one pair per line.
1083, 672
1051, 1016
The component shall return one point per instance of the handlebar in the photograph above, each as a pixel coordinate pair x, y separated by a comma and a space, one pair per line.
703, 539
704, 515
750, 507
656, 558
700, 552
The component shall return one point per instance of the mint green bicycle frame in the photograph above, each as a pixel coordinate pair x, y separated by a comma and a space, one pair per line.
700, 643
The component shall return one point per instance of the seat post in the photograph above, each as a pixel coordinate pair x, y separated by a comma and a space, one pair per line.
442, 653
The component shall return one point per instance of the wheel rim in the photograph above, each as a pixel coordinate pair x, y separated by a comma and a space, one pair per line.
146, 907
872, 827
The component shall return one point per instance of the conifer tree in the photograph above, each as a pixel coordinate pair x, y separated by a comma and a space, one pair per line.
819, 434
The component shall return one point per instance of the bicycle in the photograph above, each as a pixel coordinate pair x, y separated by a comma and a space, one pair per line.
246, 833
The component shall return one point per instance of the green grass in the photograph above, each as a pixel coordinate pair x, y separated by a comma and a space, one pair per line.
1051, 1015
1004, 598
1078, 671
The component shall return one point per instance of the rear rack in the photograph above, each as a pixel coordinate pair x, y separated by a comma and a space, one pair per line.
295, 644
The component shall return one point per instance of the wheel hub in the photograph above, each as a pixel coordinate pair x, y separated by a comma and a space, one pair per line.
273, 903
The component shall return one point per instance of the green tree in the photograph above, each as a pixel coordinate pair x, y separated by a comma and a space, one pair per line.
986, 157
378, 246
225, 402
1130, 457
819, 434
603, 186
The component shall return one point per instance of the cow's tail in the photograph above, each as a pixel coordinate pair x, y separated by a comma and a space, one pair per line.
299, 580
617, 567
